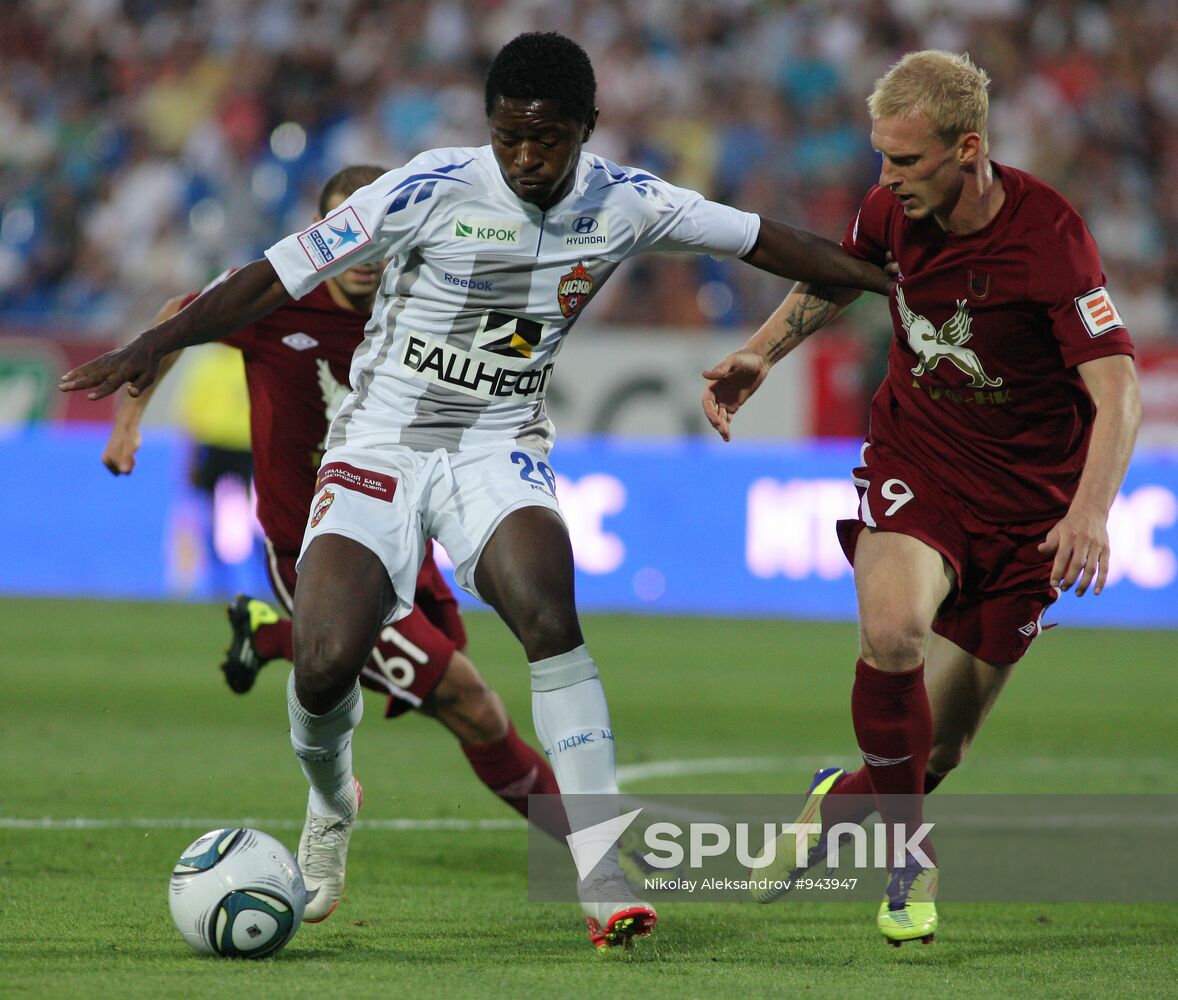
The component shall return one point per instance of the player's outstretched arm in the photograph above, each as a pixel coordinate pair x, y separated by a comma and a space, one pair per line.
1080, 541
243, 298
123, 444
802, 256
806, 309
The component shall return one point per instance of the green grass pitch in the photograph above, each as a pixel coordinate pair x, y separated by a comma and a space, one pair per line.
116, 713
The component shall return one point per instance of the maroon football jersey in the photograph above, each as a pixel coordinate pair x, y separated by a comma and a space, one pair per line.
982, 387
296, 364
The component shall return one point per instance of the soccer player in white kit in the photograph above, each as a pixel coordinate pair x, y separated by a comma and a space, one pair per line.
493, 253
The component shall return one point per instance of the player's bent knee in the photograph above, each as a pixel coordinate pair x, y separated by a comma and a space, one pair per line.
892, 645
548, 631
326, 665
327, 652
320, 691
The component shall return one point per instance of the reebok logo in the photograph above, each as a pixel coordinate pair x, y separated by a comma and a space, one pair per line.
592, 843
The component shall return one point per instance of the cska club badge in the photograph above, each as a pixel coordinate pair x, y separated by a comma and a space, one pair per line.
574, 290
322, 505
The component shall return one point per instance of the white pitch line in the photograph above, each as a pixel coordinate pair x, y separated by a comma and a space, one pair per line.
978, 822
628, 774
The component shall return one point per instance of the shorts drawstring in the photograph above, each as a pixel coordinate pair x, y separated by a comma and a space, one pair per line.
433, 460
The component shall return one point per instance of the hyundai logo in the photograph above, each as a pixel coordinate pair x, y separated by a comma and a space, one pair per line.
585, 224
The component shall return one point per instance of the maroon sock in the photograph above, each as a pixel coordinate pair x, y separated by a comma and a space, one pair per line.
850, 800
274, 641
894, 727
513, 771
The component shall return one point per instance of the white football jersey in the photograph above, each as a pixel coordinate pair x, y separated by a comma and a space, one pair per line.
481, 288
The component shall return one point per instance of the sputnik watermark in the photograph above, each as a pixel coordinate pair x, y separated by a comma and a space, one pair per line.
706, 840
714, 840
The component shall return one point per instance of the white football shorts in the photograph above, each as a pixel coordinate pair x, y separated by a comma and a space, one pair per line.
393, 500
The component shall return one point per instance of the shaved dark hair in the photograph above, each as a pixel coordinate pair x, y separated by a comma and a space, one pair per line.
544, 66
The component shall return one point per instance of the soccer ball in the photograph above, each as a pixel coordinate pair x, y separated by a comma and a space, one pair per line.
237, 893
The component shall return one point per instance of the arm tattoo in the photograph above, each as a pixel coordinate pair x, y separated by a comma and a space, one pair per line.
811, 312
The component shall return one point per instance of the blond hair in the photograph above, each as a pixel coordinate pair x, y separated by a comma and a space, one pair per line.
947, 88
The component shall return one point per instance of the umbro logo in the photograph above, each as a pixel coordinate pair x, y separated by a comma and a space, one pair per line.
300, 341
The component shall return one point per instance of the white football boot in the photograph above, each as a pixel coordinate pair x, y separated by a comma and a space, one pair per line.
614, 914
323, 856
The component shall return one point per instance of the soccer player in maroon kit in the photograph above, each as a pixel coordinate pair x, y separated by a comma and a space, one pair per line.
996, 447
297, 361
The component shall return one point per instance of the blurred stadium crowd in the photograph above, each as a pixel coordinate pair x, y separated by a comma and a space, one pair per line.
147, 144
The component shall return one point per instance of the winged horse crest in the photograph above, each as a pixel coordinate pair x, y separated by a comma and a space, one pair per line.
934, 345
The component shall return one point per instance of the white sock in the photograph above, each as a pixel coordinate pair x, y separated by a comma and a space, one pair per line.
323, 744
572, 720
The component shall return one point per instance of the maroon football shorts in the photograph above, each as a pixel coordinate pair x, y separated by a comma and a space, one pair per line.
1003, 583
411, 655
